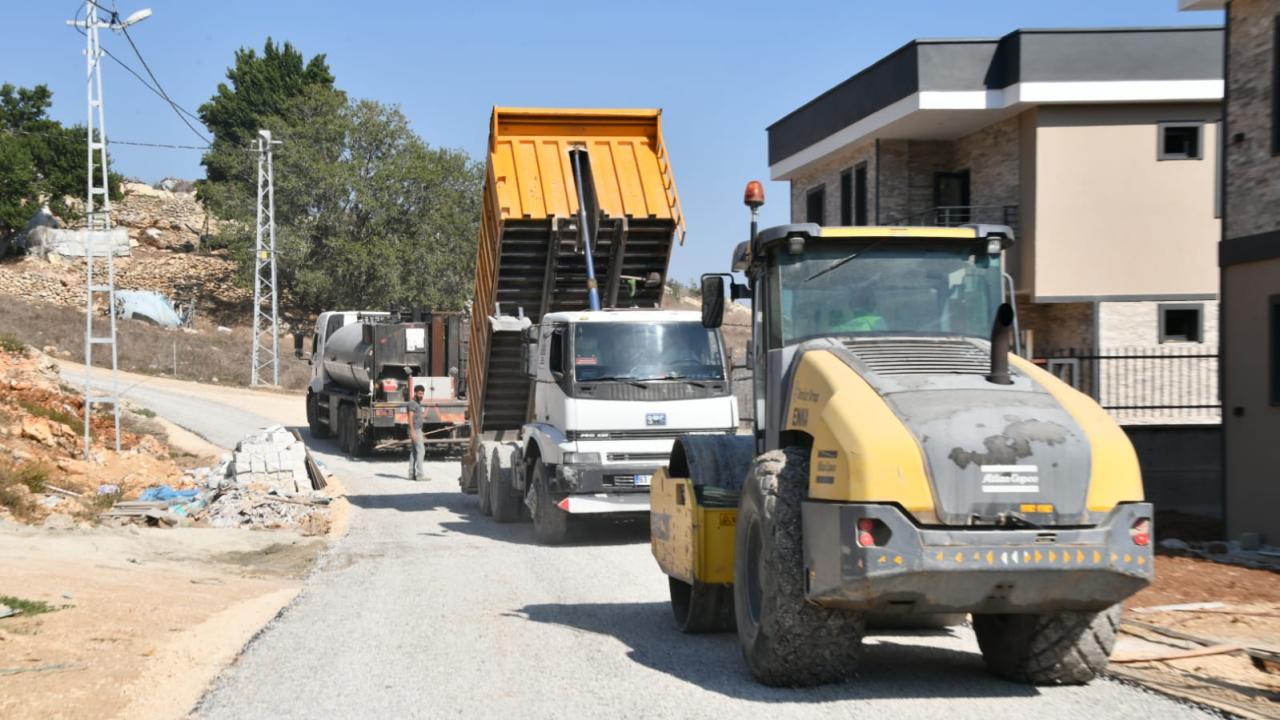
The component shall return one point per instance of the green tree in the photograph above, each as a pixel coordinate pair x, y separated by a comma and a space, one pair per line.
40, 159
367, 214
260, 87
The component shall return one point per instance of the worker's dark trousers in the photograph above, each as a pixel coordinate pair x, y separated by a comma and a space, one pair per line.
416, 471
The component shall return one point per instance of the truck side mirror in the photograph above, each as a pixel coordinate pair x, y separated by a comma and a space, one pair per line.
712, 301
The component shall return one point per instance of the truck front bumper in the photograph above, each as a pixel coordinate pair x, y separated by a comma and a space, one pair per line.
600, 488
953, 570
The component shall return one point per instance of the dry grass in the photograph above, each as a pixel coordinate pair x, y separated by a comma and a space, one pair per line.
205, 356
19, 483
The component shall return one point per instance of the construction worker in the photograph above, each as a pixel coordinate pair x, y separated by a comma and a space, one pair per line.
417, 445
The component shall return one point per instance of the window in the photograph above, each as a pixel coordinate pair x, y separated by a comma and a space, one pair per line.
555, 354
846, 198
1180, 141
1275, 349
860, 194
815, 205
1181, 323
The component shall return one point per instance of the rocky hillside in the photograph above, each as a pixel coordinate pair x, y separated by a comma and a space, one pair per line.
165, 231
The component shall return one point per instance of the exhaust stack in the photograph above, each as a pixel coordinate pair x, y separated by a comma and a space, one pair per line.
1000, 345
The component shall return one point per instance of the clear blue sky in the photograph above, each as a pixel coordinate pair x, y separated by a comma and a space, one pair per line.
721, 71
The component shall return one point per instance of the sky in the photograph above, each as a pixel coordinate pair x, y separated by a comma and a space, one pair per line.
720, 71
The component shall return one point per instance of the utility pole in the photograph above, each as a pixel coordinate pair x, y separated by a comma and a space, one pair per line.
97, 213
264, 268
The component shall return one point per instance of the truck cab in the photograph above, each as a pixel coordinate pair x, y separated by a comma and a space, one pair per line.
613, 389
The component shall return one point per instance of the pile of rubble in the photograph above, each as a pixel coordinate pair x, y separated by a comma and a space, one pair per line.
1247, 552
270, 481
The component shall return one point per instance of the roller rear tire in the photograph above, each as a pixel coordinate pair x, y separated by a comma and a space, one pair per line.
786, 641
1065, 648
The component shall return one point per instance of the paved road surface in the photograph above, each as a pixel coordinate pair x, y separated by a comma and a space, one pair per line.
427, 609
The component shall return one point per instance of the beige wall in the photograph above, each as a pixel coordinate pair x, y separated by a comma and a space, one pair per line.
1111, 219
1252, 437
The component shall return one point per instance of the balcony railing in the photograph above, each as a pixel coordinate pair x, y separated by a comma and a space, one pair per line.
956, 215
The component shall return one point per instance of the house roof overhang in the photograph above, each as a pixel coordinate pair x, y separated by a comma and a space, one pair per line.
945, 89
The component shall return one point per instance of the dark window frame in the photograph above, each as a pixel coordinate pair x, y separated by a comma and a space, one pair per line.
861, 191
1163, 154
1273, 320
1164, 336
846, 197
819, 191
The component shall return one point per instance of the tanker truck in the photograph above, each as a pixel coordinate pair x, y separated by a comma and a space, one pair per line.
364, 367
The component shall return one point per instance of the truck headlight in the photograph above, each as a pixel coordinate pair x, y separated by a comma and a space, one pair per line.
581, 458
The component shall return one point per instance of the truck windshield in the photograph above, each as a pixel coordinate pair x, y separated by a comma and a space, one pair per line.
646, 351
873, 286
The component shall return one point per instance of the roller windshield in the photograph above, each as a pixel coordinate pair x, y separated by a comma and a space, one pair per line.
875, 286
646, 351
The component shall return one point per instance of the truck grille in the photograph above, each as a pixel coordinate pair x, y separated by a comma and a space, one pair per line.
637, 456
920, 357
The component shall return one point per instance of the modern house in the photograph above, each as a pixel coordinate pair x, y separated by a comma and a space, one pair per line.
1249, 261
1099, 146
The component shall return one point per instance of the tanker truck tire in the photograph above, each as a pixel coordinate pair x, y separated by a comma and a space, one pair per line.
318, 429
786, 641
347, 429
1063, 648
550, 523
701, 607
482, 488
503, 501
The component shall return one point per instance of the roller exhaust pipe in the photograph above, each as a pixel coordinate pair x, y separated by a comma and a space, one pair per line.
1000, 345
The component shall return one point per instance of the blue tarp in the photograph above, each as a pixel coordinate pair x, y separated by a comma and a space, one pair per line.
164, 493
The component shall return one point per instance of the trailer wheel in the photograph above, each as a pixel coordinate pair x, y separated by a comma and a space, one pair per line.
482, 488
700, 607
503, 501
318, 429
1063, 648
786, 641
550, 523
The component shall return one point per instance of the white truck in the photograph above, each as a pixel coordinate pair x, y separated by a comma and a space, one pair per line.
579, 386
613, 389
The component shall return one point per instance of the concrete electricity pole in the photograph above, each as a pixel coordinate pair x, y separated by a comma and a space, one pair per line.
97, 212
264, 270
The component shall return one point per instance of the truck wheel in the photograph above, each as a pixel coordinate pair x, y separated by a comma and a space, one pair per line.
318, 429
550, 523
1063, 648
786, 641
700, 607
503, 501
347, 429
361, 440
482, 488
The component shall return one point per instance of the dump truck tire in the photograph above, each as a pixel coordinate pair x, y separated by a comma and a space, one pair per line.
503, 502
786, 641
550, 523
701, 607
1064, 648
481, 471
319, 430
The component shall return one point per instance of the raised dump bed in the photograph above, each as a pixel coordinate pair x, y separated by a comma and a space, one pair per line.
529, 260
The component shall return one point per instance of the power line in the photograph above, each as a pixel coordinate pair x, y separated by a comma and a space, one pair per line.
177, 110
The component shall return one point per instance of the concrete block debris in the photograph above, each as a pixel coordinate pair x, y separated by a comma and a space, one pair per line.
269, 481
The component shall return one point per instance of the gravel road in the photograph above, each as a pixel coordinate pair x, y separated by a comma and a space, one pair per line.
428, 609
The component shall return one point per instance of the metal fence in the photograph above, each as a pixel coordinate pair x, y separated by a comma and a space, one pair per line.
956, 215
1145, 385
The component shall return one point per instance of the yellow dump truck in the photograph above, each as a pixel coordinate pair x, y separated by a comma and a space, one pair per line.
904, 463
579, 381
